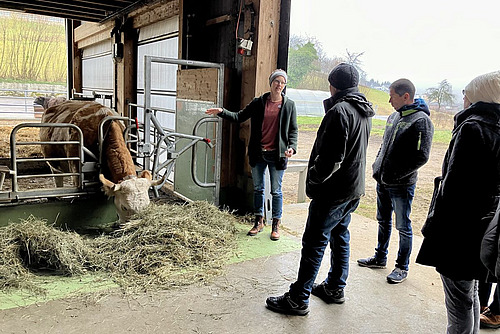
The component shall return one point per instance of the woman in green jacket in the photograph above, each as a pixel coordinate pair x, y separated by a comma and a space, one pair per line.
273, 139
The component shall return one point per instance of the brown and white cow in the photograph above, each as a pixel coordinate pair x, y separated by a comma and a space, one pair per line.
49, 101
130, 192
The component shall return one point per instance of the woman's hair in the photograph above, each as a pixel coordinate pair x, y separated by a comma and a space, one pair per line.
277, 73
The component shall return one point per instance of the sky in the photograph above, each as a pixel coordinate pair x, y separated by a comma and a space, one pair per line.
427, 42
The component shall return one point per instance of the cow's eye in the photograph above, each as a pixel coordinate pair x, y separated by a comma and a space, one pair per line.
124, 208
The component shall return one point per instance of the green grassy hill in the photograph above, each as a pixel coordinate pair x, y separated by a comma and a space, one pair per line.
443, 123
379, 99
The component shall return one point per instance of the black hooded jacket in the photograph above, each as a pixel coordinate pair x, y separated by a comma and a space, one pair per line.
465, 196
336, 170
405, 147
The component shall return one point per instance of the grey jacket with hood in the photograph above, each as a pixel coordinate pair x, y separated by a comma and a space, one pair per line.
406, 145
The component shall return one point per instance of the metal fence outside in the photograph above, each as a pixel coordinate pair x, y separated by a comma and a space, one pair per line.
19, 103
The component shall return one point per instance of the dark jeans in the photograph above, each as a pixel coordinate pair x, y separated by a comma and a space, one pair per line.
397, 200
325, 223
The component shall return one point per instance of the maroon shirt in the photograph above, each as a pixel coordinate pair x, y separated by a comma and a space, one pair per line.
270, 125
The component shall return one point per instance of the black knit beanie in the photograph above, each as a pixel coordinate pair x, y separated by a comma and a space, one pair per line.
344, 76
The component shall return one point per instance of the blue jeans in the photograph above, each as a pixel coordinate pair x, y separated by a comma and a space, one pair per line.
325, 223
259, 182
397, 199
462, 306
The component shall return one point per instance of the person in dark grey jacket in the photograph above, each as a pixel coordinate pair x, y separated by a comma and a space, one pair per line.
405, 148
335, 182
464, 202
273, 139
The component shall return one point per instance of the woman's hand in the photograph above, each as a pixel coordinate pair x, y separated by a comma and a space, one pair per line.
213, 111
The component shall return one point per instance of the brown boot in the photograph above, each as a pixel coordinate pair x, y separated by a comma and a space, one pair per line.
489, 320
275, 234
257, 226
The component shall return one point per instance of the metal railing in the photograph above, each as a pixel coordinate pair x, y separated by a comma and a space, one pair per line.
83, 186
19, 103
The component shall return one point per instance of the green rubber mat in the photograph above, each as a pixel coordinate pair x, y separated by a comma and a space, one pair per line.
57, 287
261, 245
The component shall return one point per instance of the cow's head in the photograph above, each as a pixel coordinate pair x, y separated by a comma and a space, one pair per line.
131, 195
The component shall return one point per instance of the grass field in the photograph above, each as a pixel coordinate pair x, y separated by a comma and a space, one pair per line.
441, 135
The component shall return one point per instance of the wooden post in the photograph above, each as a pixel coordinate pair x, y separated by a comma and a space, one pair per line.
263, 60
126, 78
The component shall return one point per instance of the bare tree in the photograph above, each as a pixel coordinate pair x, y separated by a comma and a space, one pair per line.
442, 94
354, 59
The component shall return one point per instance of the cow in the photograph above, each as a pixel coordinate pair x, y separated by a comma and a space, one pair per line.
130, 192
49, 101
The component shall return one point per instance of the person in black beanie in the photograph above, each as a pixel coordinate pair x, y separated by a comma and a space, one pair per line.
405, 148
335, 182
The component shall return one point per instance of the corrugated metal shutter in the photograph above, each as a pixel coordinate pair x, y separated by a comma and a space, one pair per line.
97, 70
159, 39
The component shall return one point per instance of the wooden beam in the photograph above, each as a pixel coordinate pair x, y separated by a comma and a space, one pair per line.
92, 33
154, 13
257, 67
217, 20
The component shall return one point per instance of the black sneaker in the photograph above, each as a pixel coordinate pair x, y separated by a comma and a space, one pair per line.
327, 295
284, 304
372, 262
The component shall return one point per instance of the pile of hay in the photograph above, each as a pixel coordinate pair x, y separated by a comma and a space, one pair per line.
32, 245
164, 246
168, 245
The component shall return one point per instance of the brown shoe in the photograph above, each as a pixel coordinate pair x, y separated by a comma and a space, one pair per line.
257, 226
275, 234
489, 320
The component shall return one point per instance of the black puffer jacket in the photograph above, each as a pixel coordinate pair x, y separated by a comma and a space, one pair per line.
466, 196
342, 139
406, 146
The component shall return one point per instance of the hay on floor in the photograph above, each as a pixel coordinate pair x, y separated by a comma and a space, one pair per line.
164, 246
32, 245
168, 245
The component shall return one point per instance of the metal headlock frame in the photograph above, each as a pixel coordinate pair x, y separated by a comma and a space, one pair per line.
165, 142
150, 119
83, 188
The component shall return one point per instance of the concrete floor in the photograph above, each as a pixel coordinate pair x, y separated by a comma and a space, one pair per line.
235, 302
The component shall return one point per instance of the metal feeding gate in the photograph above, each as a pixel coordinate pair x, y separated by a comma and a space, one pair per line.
74, 205
196, 176
154, 147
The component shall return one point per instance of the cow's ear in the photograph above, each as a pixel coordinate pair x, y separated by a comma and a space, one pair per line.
109, 187
146, 174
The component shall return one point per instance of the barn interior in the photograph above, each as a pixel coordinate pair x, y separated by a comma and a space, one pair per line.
107, 41
224, 52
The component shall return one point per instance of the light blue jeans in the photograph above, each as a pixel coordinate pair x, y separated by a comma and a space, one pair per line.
462, 306
276, 176
397, 199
